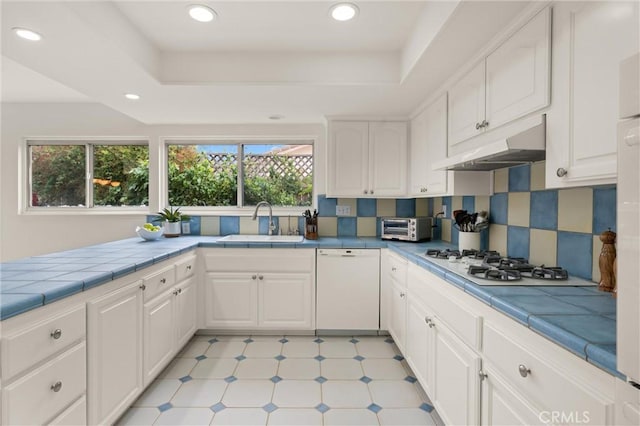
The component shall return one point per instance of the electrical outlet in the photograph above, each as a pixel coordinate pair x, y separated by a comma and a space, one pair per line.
343, 210
444, 211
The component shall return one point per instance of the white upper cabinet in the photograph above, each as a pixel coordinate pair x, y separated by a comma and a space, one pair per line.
517, 73
466, 105
590, 39
367, 159
428, 146
510, 83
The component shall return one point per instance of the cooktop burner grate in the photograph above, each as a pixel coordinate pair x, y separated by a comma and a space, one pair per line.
548, 273
489, 273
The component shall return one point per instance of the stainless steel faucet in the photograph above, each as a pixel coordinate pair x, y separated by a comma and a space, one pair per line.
272, 227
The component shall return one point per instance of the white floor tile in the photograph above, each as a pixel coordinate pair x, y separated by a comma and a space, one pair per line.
297, 394
232, 338
248, 393
185, 416
179, 367
225, 349
257, 368
199, 393
214, 368
309, 338
350, 416
405, 417
194, 348
158, 393
240, 417
299, 368
394, 394
139, 416
300, 349
263, 349
338, 349
345, 394
295, 417
267, 338
375, 348
384, 369
341, 369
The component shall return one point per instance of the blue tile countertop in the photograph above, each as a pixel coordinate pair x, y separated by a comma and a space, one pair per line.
580, 319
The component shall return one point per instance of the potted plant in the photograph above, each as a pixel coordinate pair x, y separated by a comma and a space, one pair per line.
172, 221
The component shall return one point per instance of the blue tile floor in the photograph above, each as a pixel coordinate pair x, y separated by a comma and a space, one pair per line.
284, 380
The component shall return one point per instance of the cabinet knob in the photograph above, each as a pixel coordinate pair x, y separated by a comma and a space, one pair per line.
56, 386
393, 269
484, 124
188, 267
56, 334
482, 375
402, 294
143, 287
427, 320
561, 172
365, 191
260, 277
524, 371
371, 192
431, 324
164, 280
179, 290
175, 292
253, 277
478, 126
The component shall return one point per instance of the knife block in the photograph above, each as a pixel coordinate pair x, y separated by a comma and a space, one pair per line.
311, 229
606, 261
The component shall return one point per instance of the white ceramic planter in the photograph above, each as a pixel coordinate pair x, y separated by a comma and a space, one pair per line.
172, 229
468, 241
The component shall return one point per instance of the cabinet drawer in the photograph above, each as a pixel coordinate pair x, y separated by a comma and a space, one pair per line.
159, 282
33, 400
542, 383
460, 318
74, 415
397, 269
28, 347
185, 268
260, 260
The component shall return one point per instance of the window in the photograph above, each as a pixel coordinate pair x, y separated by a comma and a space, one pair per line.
86, 174
219, 174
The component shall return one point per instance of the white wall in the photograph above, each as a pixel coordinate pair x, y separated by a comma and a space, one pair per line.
24, 235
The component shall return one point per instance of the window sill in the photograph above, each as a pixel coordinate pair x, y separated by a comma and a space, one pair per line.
79, 211
243, 211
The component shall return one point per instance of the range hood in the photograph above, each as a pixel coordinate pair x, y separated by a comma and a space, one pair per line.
525, 146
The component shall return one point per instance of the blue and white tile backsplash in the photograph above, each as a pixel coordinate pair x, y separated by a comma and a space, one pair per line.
551, 227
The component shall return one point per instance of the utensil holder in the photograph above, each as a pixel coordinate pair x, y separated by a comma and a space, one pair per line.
468, 241
311, 229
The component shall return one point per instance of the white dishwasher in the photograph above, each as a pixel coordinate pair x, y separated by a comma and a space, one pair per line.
348, 289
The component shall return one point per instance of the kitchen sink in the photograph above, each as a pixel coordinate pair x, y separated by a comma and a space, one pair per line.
237, 238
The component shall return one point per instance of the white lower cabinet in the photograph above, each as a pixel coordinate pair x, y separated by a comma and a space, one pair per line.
169, 323
420, 343
398, 314
502, 405
114, 361
269, 289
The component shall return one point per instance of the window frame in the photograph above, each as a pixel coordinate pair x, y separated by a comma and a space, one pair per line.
240, 141
89, 143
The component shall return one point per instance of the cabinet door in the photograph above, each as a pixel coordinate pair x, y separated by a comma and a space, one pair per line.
420, 343
286, 301
159, 334
186, 303
456, 380
231, 300
114, 358
387, 159
466, 105
502, 405
589, 41
518, 73
436, 142
398, 315
348, 157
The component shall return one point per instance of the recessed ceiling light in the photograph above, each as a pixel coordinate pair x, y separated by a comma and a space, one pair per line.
132, 96
276, 117
27, 34
344, 11
202, 13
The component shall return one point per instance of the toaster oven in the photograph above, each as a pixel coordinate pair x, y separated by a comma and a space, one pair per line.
406, 228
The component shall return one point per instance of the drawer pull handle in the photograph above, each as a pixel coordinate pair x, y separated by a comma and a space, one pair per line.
524, 371
56, 386
164, 280
56, 334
